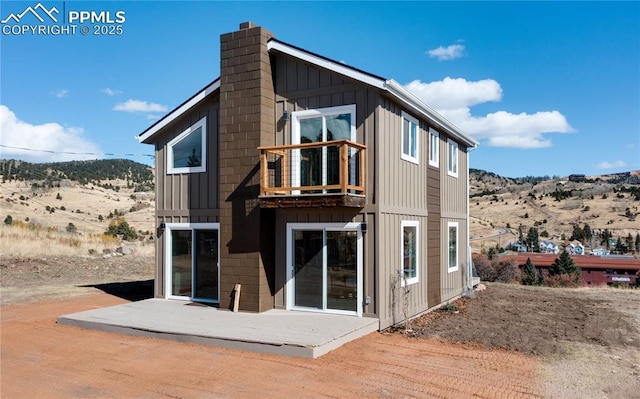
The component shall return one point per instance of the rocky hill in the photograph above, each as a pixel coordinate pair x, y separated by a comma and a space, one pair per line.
501, 206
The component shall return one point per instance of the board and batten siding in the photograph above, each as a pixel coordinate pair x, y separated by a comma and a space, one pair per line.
402, 196
454, 209
392, 295
300, 86
186, 197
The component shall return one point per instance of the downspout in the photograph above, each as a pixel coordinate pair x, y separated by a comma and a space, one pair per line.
468, 273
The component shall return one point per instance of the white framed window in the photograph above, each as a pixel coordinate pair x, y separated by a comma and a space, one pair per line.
452, 247
320, 166
409, 138
409, 239
434, 148
452, 158
187, 153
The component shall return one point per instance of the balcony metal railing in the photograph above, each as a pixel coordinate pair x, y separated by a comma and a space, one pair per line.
330, 167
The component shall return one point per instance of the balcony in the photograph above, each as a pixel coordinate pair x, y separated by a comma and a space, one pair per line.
323, 174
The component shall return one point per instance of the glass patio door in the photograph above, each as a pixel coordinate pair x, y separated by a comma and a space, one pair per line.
192, 270
320, 166
326, 269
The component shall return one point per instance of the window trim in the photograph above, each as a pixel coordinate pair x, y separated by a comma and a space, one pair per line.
434, 150
408, 157
452, 148
455, 268
168, 247
403, 224
171, 170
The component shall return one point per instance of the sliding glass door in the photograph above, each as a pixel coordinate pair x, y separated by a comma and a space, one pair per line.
326, 268
192, 261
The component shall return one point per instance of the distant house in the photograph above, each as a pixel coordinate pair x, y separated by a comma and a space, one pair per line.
600, 252
577, 178
313, 185
549, 247
519, 247
575, 248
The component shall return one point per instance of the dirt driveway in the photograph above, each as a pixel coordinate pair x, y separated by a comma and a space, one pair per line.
40, 358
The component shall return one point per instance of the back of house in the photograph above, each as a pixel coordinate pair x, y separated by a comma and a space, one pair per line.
312, 185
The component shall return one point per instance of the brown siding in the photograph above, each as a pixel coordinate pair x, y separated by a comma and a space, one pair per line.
300, 86
434, 239
187, 197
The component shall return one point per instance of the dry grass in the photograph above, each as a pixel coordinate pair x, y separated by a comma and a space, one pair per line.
22, 240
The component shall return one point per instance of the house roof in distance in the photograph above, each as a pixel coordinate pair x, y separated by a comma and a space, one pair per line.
389, 86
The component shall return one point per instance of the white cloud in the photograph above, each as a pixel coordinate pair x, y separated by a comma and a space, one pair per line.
611, 165
51, 140
453, 98
111, 92
447, 53
61, 93
139, 106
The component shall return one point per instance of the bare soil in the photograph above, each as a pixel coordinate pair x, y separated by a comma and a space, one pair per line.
511, 342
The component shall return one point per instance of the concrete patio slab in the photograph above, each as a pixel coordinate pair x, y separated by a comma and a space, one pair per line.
281, 332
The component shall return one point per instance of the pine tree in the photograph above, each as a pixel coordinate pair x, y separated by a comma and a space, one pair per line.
529, 277
564, 265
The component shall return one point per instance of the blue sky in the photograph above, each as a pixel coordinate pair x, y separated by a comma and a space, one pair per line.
547, 88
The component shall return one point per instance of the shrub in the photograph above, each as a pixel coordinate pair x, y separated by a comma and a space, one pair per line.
119, 227
563, 280
8, 220
71, 228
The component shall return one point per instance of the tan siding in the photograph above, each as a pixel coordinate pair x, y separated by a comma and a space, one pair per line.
452, 283
403, 183
389, 264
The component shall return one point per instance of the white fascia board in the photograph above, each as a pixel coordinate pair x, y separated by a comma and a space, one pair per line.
413, 102
173, 115
326, 63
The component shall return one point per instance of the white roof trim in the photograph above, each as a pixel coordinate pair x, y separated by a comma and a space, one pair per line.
173, 115
391, 86
409, 99
325, 63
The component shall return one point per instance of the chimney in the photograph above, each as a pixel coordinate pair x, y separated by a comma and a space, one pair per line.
247, 121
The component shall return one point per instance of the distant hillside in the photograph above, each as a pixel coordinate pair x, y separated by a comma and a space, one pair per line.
500, 206
136, 175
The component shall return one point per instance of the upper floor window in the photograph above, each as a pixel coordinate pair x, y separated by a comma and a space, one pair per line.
409, 251
453, 247
187, 152
434, 148
409, 138
452, 158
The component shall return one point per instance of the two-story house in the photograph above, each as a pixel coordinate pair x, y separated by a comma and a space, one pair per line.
314, 185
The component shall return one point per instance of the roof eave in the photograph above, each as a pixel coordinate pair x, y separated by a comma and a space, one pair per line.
413, 102
390, 86
145, 137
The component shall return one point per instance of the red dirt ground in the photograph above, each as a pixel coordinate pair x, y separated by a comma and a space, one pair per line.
43, 359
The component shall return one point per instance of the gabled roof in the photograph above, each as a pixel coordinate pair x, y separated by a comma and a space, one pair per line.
178, 111
389, 86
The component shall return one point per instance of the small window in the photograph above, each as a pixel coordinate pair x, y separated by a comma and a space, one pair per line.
187, 152
434, 148
453, 247
452, 158
409, 138
409, 251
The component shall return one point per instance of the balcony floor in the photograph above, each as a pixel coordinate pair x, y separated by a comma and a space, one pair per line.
326, 200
